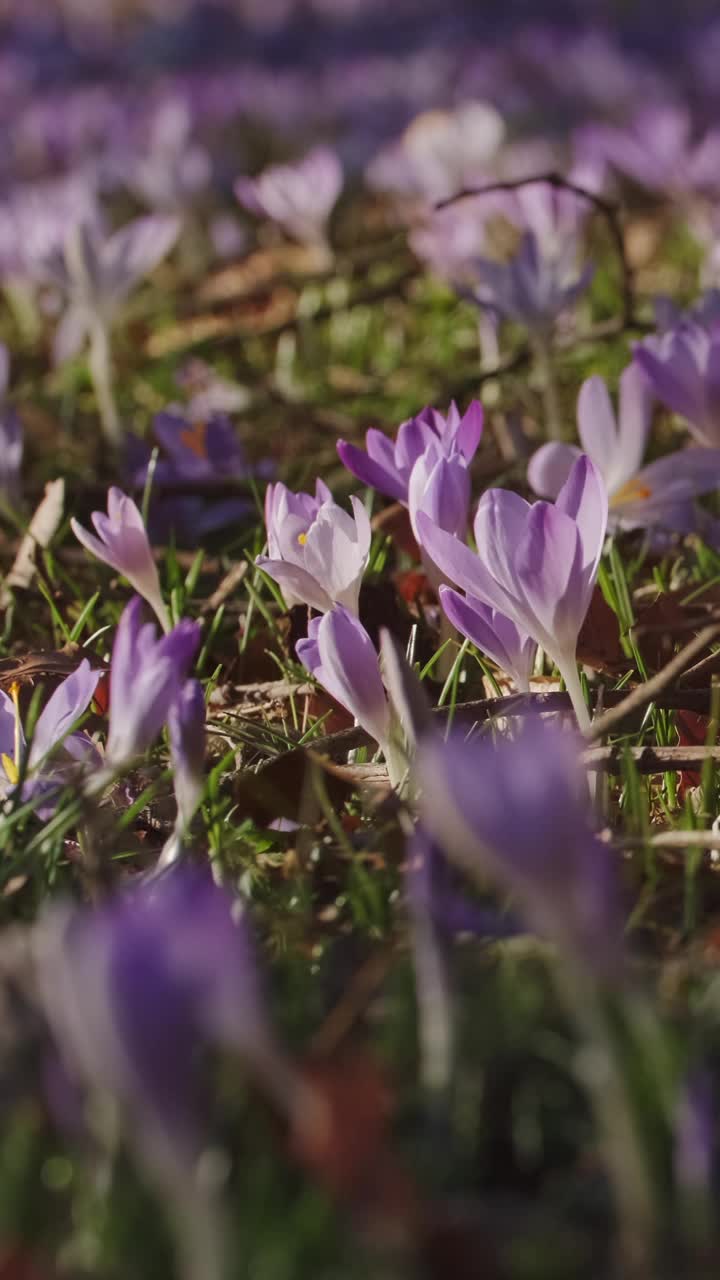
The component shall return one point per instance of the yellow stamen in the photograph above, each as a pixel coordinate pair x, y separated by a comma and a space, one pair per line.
633, 491
11, 770
194, 438
302, 539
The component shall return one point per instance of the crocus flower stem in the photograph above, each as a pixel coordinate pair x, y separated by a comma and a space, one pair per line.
100, 365
199, 1234
625, 1162
488, 340
396, 760
542, 346
571, 678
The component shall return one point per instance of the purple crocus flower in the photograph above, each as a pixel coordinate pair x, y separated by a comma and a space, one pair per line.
95, 274
317, 552
657, 150
195, 450
54, 747
683, 369
534, 288
123, 544
535, 564
440, 152
515, 811
35, 220
171, 169
131, 989
147, 675
660, 494
387, 466
299, 197
198, 448
11, 438
339, 653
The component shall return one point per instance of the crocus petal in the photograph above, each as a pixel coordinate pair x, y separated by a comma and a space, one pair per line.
596, 421
550, 466
63, 709
180, 645
341, 655
124, 545
296, 584
584, 498
634, 420
336, 551
186, 727
673, 378
146, 676
514, 810
662, 492
549, 567
469, 430
460, 565
683, 474
492, 633
500, 522
440, 487
137, 248
371, 472
322, 493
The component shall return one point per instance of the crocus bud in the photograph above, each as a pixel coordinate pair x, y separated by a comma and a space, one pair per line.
146, 677
124, 545
340, 654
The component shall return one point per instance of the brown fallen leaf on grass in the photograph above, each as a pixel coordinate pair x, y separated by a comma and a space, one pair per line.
394, 521
44, 525
257, 270
599, 644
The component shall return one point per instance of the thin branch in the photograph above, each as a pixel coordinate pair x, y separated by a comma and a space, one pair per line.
649, 759
647, 692
608, 208
671, 840
335, 746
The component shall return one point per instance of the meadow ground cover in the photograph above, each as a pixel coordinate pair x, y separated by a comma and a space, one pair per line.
359, 641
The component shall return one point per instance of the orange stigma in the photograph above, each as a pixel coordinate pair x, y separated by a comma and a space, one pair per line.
194, 438
633, 491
